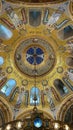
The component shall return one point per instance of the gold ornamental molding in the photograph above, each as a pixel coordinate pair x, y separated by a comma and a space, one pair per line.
37, 1
71, 7
27, 113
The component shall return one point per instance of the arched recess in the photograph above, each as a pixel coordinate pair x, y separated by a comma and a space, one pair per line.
60, 86
33, 91
65, 106
27, 114
5, 111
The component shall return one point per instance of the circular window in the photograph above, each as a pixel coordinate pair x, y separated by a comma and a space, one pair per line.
1, 60
35, 55
37, 122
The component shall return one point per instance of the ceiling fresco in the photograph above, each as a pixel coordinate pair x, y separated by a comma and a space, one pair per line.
36, 50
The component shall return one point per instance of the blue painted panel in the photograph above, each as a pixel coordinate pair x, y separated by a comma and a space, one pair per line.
39, 51
30, 51
39, 60
30, 60
35, 55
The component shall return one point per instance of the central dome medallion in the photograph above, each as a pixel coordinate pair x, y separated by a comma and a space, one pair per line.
34, 56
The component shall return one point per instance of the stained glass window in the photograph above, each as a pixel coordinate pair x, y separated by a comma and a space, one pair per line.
1, 60
61, 87
5, 33
34, 92
67, 32
35, 18
7, 88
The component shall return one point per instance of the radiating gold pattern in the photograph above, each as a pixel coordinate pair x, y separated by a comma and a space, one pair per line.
56, 65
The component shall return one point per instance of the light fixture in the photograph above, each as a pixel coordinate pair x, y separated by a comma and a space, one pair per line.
66, 127
19, 125
37, 122
56, 125
8, 127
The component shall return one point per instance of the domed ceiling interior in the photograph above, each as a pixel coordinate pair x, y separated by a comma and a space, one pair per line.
36, 56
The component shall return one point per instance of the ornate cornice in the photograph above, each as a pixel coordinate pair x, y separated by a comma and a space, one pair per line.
37, 1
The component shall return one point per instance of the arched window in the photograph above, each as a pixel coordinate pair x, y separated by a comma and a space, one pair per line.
5, 33
7, 88
66, 32
34, 92
61, 87
34, 17
1, 60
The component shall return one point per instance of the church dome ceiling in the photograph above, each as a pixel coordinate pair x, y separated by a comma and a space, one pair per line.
36, 56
